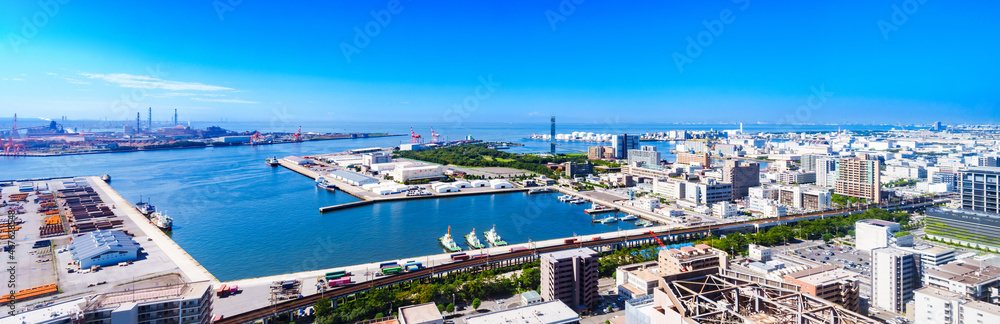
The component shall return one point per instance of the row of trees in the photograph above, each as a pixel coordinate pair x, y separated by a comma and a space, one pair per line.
479, 155
826, 229
456, 288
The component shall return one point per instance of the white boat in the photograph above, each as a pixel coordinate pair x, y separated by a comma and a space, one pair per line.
473, 240
323, 183
161, 220
628, 217
649, 225
577, 201
493, 238
596, 206
448, 243
564, 198
609, 220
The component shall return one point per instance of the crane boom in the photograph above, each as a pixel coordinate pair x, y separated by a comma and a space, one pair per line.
657, 239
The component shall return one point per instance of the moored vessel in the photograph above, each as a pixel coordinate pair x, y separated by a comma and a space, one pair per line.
448, 243
473, 240
493, 238
161, 220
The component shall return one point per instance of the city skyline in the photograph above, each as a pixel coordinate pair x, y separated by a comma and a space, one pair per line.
739, 61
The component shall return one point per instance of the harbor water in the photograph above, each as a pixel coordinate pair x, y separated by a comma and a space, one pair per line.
241, 218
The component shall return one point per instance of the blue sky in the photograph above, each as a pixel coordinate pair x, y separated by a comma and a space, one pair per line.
771, 61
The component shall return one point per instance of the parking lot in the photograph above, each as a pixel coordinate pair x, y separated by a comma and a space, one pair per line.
846, 257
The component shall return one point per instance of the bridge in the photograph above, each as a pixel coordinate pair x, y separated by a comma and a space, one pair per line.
511, 258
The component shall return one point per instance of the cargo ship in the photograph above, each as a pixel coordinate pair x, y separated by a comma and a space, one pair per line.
448, 243
272, 161
162, 221
473, 240
493, 238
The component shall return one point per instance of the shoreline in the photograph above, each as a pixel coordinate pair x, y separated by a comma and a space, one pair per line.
41, 155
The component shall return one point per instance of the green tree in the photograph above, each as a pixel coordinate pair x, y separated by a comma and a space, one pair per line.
323, 307
476, 302
450, 308
441, 308
827, 237
379, 315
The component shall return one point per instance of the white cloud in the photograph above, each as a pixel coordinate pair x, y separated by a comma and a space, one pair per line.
224, 100
140, 81
13, 79
75, 81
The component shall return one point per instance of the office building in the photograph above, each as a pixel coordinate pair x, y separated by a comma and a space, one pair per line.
796, 177
808, 161
965, 227
973, 279
573, 169
805, 197
830, 283
826, 172
873, 233
700, 159
102, 248
760, 253
978, 186
647, 155
368, 159
985, 161
931, 255
548, 312
905, 171
426, 313
621, 144
895, 275
742, 175
691, 258
187, 303
570, 276
859, 177
707, 191
600, 153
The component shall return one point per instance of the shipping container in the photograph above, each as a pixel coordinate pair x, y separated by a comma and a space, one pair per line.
478, 256
339, 282
217, 318
223, 290
414, 266
595, 238
392, 269
517, 249
386, 264
570, 241
459, 257
336, 274
233, 289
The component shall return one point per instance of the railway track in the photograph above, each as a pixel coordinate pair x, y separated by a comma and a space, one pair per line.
351, 289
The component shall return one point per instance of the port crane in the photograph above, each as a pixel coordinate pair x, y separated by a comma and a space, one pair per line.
12, 148
435, 137
255, 138
657, 239
414, 138
298, 135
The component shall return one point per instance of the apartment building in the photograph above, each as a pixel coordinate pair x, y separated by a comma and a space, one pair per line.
701, 159
975, 280
804, 197
895, 275
742, 175
859, 177
873, 233
830, 283
187, 303
691, 258
571, 277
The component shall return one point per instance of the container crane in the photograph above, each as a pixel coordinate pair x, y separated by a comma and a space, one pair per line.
255, 138
414, 138
435, 136
298, 135
657, 239
12, 148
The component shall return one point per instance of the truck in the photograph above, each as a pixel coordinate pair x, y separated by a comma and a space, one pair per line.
459, 256
392, 269
339, 282
336, 275
411, 266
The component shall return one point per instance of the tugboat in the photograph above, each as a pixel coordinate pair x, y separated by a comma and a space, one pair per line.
493, 238
106, 177
448, 243
272, 161
145, 208
162, 221
473, 240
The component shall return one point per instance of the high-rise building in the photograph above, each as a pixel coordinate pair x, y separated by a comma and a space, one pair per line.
647, 155
623, 143
978, 186
552, 139
826, 172
859, 177
702, 159
808, 161
573, 169
874, 233
895, 275
742, 175
570, 276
